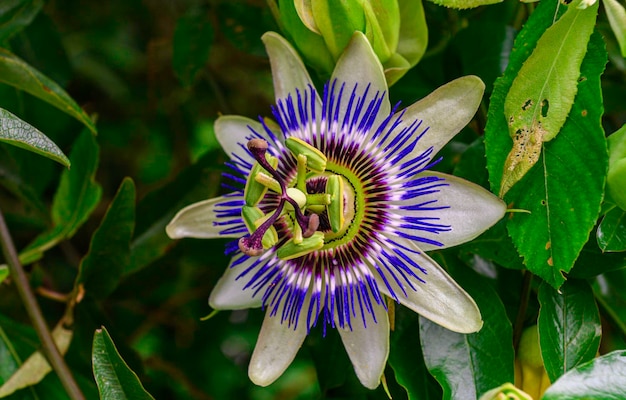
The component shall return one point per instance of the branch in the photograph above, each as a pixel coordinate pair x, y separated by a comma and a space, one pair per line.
49, 348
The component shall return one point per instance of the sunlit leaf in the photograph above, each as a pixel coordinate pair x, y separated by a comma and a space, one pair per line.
601, 378
543, 90
15, 15
36, 367
561, 214
116, 381
616, 14
15, 72
193, 37
569, 326
109, 252
4, 272
21, 134
466, 366
462, 4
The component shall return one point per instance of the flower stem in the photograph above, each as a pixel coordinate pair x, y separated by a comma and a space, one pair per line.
518, 327
49, 348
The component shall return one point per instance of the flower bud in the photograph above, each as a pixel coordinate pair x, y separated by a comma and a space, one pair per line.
321, 29
506, 392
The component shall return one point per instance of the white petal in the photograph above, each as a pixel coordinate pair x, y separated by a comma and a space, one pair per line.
440, 298
368, 347
275, 349
288, 71
471, 211
229, 292
198, 220
446, 111
233, 133
359, 65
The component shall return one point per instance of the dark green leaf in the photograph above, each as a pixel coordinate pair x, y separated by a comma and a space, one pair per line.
407, 360
115, 380
569, 326
562, 215
593, 262
157, 209
21, 134
77, 196
601, 378
466, 366
17, 73
109, 252
192, 43
612, 231
17, 14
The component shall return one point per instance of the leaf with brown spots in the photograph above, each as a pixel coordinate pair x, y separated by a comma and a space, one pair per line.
543, 91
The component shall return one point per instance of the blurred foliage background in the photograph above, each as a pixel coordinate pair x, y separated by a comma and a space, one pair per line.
155, 74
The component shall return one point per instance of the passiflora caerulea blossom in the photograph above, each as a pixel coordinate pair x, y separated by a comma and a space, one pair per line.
334, 208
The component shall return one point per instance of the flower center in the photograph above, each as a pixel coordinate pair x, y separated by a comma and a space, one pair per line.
315, 194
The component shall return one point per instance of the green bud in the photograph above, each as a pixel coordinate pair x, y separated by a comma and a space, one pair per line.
321, 29
315, 159
334, 187
254, 191
291, 250
253, 217
616, 178
508, 391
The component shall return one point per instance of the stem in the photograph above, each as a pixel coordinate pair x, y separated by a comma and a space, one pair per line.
523, 306
49, 348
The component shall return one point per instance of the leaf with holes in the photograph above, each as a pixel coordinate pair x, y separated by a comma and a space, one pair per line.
562, 214
543, 91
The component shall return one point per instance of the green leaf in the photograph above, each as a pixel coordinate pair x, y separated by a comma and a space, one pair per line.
543, 91
463, 4
17, 73
612, 231
116, 381
15, 15
467, 366
21, 134
616, 178
616, 14
109, 252
75, 199
157, 208
36, 367
569, 326
407, 360
562, 215
601, 378
592, 262
193, 37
